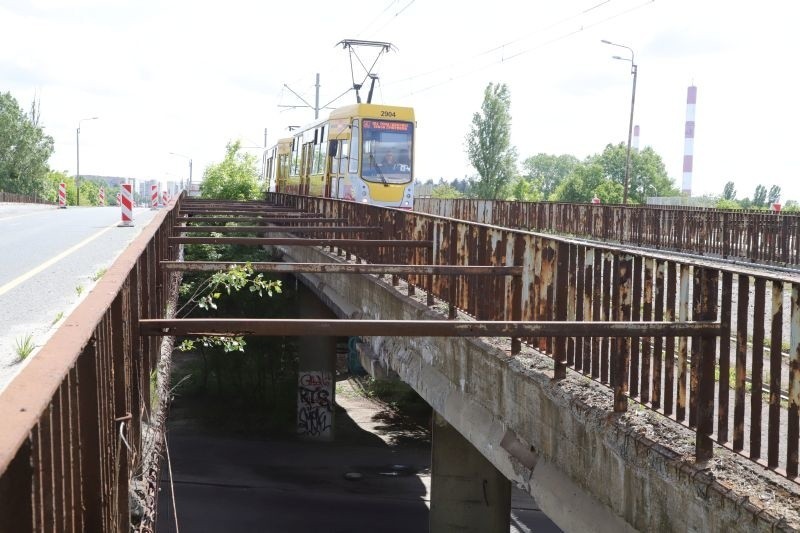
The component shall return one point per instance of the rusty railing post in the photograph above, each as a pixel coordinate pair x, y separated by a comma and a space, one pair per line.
516, 290
793, 429
560, 292
706, 284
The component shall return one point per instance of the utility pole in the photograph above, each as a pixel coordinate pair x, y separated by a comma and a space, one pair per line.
316, 101
315, 107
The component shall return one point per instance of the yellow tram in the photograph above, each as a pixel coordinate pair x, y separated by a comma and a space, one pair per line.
361, 152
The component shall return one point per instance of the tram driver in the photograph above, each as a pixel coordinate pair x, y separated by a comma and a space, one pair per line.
390, 163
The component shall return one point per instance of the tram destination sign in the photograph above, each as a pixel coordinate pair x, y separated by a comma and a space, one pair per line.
387, 125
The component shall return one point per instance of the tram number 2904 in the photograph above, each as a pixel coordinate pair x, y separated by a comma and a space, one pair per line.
388, 114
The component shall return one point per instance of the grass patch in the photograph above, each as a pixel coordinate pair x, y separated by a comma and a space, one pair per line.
99, 274
79, 290
58, 317
24, 346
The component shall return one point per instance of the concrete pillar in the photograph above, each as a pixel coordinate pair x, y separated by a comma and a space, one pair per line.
316, 381
467, 492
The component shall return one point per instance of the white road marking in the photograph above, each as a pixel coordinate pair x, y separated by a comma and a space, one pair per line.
25, 277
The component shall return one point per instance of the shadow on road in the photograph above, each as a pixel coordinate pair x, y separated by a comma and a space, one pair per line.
359, 482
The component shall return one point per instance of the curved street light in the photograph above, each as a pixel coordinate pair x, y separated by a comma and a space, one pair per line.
634, 70
78, 161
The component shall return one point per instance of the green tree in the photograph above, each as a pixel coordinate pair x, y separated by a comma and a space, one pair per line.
729, 192
445, 190
546, 171
582, 184
489, 144
648, 176
774, 194
726, 203
235, 178
760, 196
525, 190
24, 149
51, 182
90, 193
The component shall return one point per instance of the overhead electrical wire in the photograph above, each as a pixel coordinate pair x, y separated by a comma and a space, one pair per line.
527, 50
385, 9
395, 16
503, 45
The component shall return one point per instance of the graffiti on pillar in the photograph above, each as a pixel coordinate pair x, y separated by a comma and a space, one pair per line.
314, 404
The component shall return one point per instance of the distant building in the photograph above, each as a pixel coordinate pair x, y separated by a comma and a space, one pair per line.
113, 181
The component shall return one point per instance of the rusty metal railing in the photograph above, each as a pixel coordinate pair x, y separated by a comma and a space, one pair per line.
758, 236
72, 421
741, 389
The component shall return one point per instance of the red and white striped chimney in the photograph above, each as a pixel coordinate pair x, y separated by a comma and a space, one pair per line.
688, 141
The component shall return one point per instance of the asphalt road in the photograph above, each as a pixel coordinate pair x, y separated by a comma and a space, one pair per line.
50, 259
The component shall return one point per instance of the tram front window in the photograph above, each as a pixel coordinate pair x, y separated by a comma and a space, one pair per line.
387, 151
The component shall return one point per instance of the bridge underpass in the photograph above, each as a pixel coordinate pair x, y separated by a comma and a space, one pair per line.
506, 400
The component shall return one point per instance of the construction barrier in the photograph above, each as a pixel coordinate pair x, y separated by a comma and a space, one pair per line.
127, 204
154, 196
62, 195
102, 196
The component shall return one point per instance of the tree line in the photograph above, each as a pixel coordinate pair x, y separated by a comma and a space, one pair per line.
25, 150
564, 177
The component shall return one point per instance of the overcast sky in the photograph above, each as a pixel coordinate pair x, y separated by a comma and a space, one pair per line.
188, 76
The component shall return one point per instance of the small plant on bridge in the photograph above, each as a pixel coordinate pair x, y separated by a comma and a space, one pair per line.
234, 279
23, 347
250, 386
58, 317
206, 294
79, 290
99, 274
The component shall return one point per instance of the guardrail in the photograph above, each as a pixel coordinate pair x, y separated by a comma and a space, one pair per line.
723, 388
22, 198
73, 420
757, 236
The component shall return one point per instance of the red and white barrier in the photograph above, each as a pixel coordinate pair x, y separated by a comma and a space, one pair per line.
164, 197
154, 196
62, 195
101, 196
127, 204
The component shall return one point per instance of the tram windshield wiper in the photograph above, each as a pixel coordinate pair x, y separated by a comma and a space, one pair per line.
378, 169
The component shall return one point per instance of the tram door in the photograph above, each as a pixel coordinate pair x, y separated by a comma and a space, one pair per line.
337, 152
305, 172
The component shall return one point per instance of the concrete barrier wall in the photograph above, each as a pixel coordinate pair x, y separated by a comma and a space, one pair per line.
588, 469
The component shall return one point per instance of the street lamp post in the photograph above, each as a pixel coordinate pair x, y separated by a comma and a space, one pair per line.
78, 160
634, 70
